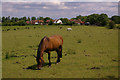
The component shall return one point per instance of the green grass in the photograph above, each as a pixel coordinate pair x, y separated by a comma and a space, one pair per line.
88, 52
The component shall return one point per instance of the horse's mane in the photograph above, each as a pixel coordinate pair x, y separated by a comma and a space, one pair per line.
43, 40
40, 45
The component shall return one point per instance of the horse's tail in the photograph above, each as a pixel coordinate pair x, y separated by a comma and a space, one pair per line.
61, 47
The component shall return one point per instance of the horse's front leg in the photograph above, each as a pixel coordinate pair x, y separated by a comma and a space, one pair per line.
49, 59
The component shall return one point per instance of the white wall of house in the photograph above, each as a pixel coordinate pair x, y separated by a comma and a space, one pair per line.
36, 22
58, 21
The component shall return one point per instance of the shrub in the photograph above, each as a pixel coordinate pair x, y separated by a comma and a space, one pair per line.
111, 25
118, 26
79, 41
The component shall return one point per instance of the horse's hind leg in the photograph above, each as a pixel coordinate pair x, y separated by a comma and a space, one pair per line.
60, 49
58, 55
49, 58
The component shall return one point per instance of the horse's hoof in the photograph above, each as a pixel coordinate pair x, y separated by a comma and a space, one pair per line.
39, 68
57, 62
49, 66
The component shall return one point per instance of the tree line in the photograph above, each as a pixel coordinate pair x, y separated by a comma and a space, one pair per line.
93, 19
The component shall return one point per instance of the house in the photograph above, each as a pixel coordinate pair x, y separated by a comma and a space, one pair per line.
58, 21
36, 22
40, 22
72, 20
28, 22
47, 22
77, 21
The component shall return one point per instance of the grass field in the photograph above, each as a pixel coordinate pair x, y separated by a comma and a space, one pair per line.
88, 52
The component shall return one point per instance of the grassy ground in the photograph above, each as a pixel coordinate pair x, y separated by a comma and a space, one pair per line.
0, 52
88, 52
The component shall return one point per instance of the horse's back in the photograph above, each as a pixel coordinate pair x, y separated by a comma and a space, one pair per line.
56, 39
53, 42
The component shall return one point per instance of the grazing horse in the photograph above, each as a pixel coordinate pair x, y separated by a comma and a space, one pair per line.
48, 44
69, 29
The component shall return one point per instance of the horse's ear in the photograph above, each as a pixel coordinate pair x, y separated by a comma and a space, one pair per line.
35, 56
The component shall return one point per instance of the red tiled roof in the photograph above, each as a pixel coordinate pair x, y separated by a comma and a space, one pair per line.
40, 21
27, 22
48, 21
76, 21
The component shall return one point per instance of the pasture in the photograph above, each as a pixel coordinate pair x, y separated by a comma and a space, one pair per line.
88, 52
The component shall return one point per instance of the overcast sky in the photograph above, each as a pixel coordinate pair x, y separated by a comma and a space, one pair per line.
58, 9
60, 0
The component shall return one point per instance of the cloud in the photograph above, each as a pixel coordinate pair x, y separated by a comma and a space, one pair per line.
65, 7
57, 1
58, 10
45, 7
27, 7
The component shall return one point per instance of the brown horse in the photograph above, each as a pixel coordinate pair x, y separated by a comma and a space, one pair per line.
47, 44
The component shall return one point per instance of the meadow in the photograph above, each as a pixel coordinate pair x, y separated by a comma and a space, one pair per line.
88, 52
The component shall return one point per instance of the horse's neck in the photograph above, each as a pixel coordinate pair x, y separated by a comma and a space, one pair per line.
41, 47
40, 52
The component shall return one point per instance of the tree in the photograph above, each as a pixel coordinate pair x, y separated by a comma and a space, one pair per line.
65, 21
8, 18
78, 17
12, 19
116, 19
16, 19
33, 18
83, 18
47, 18
28, 19
99, 20
24, 18
3, 19
103, 20
93, 19
41, 18
51, 22
21, 23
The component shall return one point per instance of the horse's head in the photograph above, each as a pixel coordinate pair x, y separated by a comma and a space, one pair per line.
39, 62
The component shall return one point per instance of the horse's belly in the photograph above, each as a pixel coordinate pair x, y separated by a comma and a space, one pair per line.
51, 49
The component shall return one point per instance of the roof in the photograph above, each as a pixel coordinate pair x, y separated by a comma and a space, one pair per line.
76, 20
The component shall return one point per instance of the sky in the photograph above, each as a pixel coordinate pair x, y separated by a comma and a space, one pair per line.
58, 9
60, 0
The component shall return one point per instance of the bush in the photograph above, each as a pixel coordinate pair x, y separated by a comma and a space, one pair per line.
118, 26
111, 25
